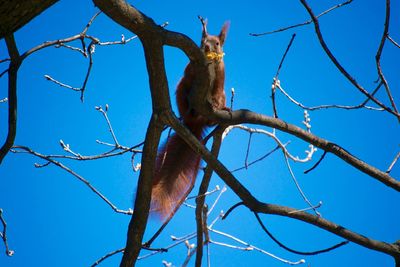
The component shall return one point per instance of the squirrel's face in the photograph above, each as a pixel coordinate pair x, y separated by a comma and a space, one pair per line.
212, 44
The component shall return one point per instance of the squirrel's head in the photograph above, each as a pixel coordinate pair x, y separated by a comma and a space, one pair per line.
211, 45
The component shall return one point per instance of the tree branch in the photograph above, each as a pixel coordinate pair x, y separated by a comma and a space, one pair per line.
379, 53
12, 95
304, 23
3, 234
246, 116
390, 249
200, 200
339, 66
138, 222
256, 206
15, 14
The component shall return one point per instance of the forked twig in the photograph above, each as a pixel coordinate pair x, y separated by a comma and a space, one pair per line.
17, 149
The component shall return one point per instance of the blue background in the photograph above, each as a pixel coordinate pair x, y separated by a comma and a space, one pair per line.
55, 220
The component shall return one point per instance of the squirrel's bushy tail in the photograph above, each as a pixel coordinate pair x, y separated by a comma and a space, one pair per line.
176, 170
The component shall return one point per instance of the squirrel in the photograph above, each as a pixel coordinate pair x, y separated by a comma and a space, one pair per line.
176, 163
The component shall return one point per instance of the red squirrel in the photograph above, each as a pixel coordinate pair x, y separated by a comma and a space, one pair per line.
177, 164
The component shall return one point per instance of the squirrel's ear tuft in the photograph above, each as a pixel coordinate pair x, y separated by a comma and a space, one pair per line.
224, 31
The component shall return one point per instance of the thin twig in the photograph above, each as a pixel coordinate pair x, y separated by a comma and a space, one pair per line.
107, 256
59, 42
393, 41
298, 185
104, 113
316, 164
276, 78
307, 209
339, 66
361, 105
217, 188
251, 247
179, 241
232, 97
248, 150
292, 250
73, 48
3, 235
304, 23
231, 209
4, 72
284, 56
79, 177
91, 50
216, 200
276, 139
393, 163
49, 78
378, 57
259, 159
5, 60
90, 22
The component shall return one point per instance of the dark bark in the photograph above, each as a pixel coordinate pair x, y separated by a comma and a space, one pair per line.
16, 13
15, 63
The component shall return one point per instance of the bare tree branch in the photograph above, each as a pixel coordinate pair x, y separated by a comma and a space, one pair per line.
379, 53
200, 200
296, 251
390, 249
3, 235
393, 163
108, 255
15, 63
15, 14
304, 23
276, 78
277, 84
393, 41
246, 116
80, 178
339, 66
254, 205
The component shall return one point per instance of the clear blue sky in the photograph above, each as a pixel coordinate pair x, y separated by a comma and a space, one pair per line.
54, 220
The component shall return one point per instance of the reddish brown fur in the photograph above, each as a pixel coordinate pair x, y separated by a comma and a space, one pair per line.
177, 164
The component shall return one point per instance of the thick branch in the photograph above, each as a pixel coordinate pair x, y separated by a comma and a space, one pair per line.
15, 14
200, 200
12, 95
127, 16
336, 229
256, 206
246, 116
138, 222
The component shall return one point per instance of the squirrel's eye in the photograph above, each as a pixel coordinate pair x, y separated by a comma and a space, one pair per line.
217, 43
